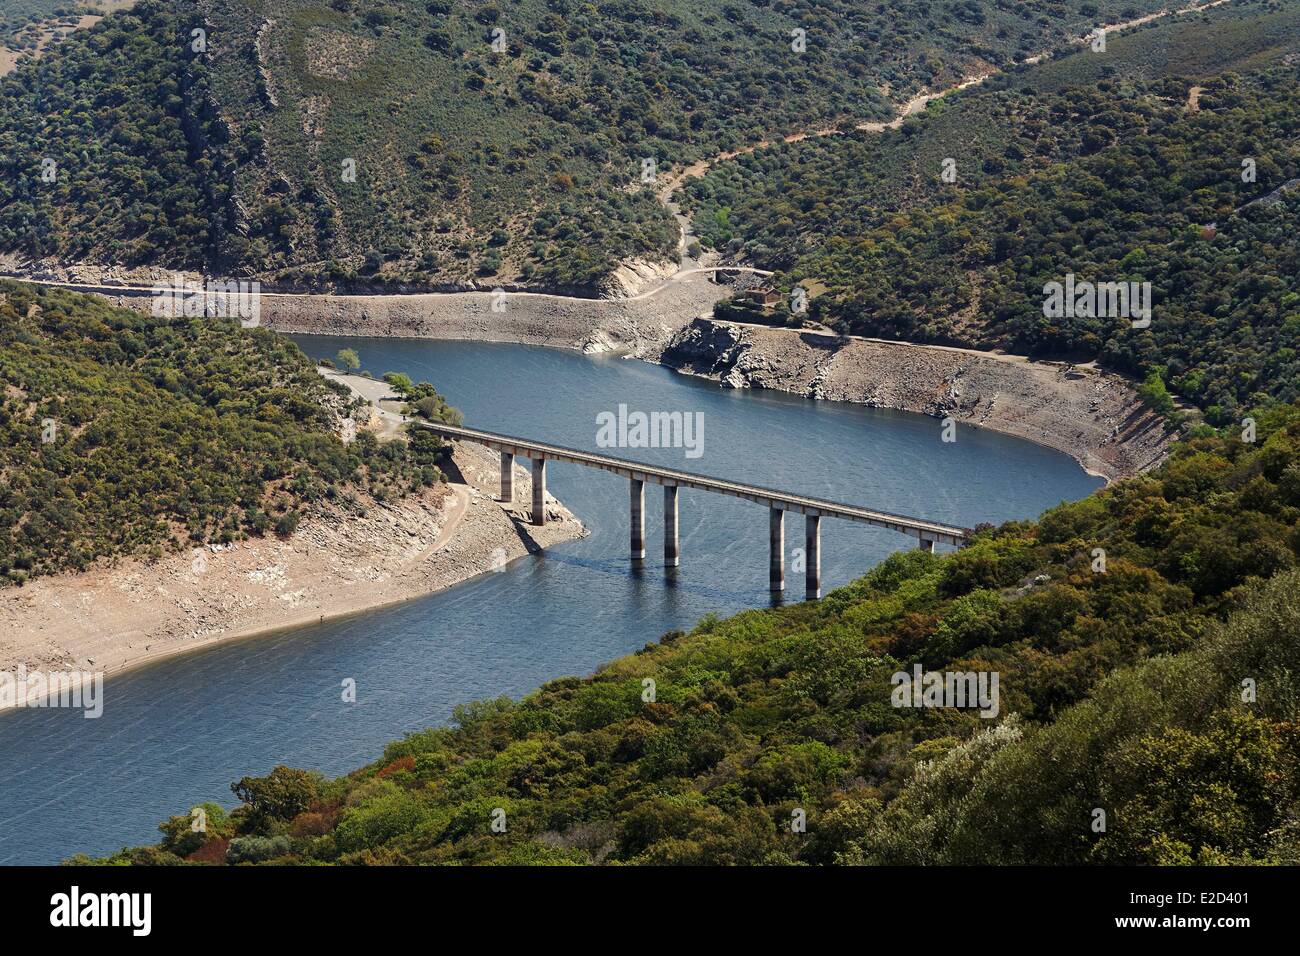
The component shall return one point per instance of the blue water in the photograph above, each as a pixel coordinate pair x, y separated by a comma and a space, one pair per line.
180, 731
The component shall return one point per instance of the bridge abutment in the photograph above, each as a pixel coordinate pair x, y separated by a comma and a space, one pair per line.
539, 491
813, 556
776, 550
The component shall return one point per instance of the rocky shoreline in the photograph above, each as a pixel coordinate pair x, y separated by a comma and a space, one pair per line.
1092, 415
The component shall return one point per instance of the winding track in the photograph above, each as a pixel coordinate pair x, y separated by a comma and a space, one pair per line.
666, 191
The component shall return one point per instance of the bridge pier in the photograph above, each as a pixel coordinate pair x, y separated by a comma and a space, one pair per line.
637, 488
539, 491
813, 556
507, 477
672, 553
926, 544
776, 549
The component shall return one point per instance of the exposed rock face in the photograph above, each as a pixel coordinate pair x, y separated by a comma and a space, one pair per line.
1092, 415
706, 347
634, 277
1276, 196
261, 45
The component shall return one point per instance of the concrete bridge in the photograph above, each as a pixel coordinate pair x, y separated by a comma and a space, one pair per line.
927, 533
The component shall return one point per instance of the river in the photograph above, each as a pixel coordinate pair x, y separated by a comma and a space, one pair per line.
180, 731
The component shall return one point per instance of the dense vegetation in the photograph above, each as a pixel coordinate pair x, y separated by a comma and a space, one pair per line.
126, 434
1122, 166
1143, 638
518, 165
21, 21
106, 148
1122, 627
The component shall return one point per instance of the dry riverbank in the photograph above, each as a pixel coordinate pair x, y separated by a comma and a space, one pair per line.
1091, 415
138, 611
640, 327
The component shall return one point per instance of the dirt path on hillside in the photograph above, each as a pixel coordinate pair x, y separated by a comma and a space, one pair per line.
686, 267
455, 515
913, 106
388, 424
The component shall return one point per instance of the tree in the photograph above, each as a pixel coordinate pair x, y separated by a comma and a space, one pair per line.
180, 835
348, 359
278, 797
400, 381
1155, 394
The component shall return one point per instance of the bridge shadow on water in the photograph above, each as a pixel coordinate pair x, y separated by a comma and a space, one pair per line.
651, 574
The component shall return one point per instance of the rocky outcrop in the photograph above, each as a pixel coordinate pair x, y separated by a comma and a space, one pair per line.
635, 276
261, 47
1275, 197
1092, 415
706, 347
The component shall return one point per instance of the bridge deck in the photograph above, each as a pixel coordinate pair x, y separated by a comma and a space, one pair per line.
523, 447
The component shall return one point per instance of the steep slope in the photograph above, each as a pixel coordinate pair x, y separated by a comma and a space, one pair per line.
1094, 166
109, 150
127, 434
1120, 628
452, 141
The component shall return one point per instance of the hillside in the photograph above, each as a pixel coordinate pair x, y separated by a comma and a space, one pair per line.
1121, 688
21, 19
104, 147
29, 27
128, 434
348, 142
1127, 166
